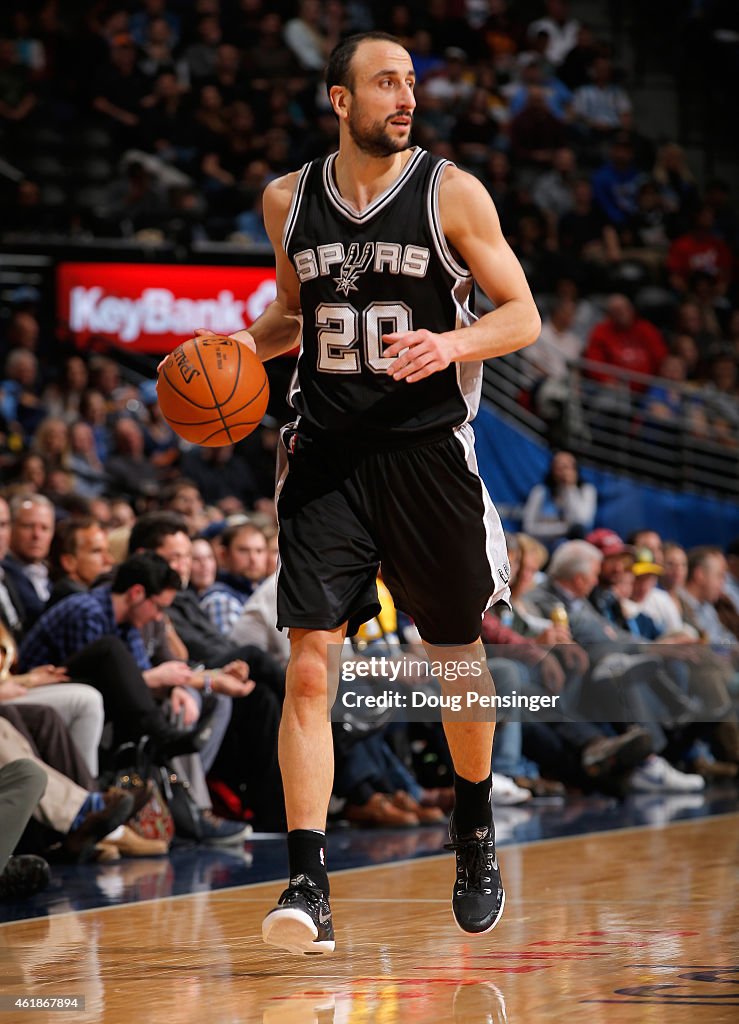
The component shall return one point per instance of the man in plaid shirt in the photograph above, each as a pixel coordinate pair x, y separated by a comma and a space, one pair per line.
97, 635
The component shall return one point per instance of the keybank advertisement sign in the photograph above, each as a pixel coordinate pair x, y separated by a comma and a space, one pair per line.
155, 307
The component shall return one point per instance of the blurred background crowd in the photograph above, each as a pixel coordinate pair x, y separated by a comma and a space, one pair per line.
162, 121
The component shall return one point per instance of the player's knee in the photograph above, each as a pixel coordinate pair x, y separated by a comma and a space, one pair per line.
308, 677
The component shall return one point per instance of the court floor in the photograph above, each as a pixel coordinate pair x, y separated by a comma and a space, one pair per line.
631, 924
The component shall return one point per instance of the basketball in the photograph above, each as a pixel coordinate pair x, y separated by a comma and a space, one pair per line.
212, 391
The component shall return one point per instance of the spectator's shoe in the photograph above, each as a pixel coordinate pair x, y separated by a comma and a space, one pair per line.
381, 812
118, 807
507, 792
301, 921
426, 815
22, 877
479, 899
170, 742
613, 755
539, 787
443, 798
215, 831
658, 776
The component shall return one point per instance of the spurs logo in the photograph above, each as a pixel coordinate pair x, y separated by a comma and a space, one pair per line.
353, 266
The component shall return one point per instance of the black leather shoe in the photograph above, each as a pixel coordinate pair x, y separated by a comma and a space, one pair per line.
23, 877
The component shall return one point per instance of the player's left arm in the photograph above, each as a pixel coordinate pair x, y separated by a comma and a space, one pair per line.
471, 226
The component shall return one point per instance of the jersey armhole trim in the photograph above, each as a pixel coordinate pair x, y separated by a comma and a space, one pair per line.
292, 215
442, 246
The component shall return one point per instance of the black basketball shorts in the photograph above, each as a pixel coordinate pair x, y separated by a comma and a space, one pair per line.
420, 513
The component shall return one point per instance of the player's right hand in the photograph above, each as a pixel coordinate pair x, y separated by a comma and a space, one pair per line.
205, 332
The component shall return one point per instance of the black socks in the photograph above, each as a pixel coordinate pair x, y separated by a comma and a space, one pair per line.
306, 851
472, 808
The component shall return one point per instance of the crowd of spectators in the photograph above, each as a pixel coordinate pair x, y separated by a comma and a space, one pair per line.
164, 119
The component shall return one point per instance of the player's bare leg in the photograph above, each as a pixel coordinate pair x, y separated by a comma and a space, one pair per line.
301, 922
479, 897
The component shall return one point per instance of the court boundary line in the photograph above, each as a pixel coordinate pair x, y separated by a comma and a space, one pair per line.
375, 867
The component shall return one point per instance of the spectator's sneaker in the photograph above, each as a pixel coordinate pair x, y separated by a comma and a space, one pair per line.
301, 921
215, 831
22, 877
507, 792
479, 899
658, 776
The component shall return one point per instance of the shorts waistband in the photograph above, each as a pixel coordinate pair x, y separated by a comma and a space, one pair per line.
370, 444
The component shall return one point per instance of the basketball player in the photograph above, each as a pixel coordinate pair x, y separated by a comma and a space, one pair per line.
376, 248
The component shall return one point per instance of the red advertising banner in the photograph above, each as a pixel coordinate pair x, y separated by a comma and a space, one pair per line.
155, 307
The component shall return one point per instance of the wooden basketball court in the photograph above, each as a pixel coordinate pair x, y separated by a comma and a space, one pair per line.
634, 925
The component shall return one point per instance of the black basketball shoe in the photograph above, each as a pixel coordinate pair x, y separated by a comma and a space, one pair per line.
478, 900
301, 921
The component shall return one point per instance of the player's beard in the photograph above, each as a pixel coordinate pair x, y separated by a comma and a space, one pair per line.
375, 140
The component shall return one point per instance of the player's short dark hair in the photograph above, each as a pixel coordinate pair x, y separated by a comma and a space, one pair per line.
338, 69
151, 529
147, 569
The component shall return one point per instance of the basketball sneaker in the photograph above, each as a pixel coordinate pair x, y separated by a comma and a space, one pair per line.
479, 898
301, 921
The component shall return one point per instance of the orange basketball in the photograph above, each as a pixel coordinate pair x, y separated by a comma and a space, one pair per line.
212, 391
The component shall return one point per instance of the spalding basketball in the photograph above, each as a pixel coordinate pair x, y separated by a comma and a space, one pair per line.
212, 390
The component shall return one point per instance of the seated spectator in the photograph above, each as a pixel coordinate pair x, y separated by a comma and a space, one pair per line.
204, 566
574, 70
62, 398
25, 565
560, 29
599, 108
585, 236
269, 57
616, 182
184, 498
198, 60
130, 473
83, 462
52, 442
18, 94
96, 636
557, 346
450, 85
644, 237
536, 134
79, 555
553, 191
219, 474
663, 400
624, 341
312, 35
141, 20
675, 181
242, 553
22, 406
117, 91
93, 411
703, 588
563, 505
475, 129
571, 576
731, 583
557, 97
700, 249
